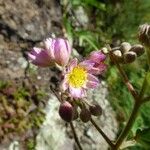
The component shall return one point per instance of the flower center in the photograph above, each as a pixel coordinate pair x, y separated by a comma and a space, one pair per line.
77, 77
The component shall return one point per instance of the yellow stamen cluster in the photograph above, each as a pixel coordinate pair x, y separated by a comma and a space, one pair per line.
77, 77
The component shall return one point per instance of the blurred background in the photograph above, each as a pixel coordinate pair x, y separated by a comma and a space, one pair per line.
28, 110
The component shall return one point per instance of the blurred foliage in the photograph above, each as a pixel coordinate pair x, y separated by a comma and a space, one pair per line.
90, 24
109, 21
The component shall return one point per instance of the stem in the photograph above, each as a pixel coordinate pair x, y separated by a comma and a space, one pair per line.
129, 125
102, 133
56, 94
124, 76
148, 55
75, 136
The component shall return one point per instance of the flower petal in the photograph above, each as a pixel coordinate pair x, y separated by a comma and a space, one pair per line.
77, 92
40, 57
49, 45
72, 64
62, 51
64, 84
92, 78
97, 56
87, 64
91, 84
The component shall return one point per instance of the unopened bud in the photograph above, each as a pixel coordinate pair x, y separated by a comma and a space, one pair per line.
144, 34
138, 49
66, 111
85, 115
129, 57
96, 110
118, 55
125, 47
104, 50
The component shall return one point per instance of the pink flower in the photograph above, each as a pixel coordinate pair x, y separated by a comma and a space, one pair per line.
40, 57
56, 51
98, 58
78, 77
59, 49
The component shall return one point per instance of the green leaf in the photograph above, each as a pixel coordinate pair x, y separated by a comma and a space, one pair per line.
94, 3
68, 28
143, 137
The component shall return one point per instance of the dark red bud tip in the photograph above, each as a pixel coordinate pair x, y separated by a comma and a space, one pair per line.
66, 111
96, 110
85, 115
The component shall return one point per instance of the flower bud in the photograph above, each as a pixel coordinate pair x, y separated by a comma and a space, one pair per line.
118, 55
66, 111
129, 57
96, 110
138, 49
40, 57
144, 34
59, 49
125, 47
85, 115
97, 58
104, 50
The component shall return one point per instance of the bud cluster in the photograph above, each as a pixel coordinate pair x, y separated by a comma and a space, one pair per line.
127, 53
69, 111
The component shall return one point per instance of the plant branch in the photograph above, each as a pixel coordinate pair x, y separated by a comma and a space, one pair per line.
75, 136
102, 133
124, 76
56, 94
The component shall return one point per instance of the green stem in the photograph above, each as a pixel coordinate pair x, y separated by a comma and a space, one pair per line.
148, 55
75, 136
128, 126
102, 133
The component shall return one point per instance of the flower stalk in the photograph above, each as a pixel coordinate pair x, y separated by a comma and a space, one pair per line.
75, 136
102, 133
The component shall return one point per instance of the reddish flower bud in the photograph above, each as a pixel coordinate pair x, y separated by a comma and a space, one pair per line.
85, 115
138, 49
96, 110
66, 111
129, 57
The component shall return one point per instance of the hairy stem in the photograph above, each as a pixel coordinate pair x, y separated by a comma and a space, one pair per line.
102, 133
75, 136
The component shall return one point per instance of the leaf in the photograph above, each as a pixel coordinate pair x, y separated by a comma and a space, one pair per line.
143, 137
94, 3
88, 37
69, 29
